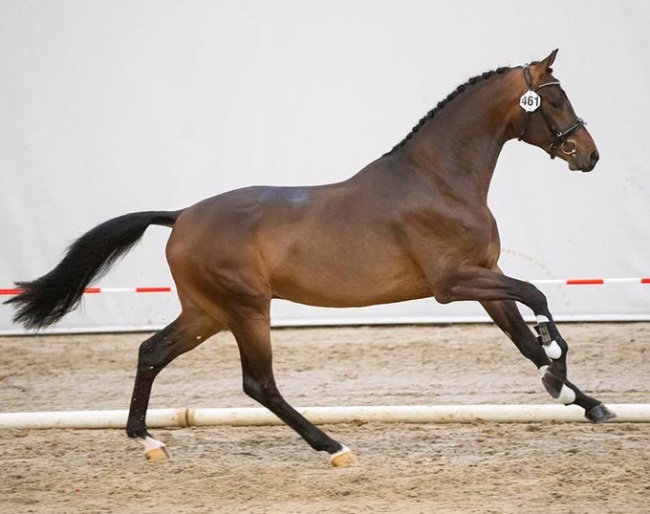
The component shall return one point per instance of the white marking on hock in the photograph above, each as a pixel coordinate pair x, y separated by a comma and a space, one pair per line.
542, 370
344, 449
542, 319
567, 395
150, 443
553, 350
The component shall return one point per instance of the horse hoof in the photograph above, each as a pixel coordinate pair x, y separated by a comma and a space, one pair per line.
156, 454
343, 459
599, 414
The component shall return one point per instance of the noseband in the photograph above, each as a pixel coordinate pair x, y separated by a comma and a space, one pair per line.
567, 146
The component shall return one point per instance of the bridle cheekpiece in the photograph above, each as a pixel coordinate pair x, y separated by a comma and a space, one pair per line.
567, 146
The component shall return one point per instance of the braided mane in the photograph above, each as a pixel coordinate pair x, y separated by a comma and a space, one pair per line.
446, 101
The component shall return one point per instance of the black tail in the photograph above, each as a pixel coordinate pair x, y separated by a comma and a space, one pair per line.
47, 299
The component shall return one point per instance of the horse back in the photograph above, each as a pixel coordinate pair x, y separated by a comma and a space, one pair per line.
332, 245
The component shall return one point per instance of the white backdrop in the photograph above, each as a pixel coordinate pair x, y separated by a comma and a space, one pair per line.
109, 107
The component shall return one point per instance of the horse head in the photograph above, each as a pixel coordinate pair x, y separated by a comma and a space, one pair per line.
549, 120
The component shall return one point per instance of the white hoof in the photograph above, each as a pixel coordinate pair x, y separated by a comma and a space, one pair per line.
157, 454
154, 450
344, 458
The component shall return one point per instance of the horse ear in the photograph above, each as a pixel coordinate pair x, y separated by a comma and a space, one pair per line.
540, 68
548, 62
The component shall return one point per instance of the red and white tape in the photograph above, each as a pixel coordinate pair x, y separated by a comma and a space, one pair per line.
95, 290
543, 281
590, 281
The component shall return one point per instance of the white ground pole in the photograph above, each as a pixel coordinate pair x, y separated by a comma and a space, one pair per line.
184, 417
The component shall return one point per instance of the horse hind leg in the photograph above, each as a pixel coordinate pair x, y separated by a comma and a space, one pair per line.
252, 333
184, 334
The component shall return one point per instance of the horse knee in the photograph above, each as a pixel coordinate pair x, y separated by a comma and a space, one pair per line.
549, 337
537, 301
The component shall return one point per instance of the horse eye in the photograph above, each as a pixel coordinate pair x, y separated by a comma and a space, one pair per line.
556, 104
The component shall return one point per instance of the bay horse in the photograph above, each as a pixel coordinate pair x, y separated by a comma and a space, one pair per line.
412, 224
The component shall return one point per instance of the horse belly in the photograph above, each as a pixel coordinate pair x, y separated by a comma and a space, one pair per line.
332, 279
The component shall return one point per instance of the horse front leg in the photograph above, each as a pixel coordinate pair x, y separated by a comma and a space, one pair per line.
498, 293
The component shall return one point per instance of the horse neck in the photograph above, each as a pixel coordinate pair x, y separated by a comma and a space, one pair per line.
462, 142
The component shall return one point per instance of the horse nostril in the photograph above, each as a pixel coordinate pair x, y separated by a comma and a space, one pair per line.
593, 158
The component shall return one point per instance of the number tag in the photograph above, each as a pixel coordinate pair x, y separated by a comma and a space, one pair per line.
530, 101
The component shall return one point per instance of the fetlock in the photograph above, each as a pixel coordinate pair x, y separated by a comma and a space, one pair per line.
557, 388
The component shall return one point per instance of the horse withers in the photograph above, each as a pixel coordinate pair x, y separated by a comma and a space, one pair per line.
412, 224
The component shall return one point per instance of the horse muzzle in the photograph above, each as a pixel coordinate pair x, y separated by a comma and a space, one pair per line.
585, 164
568, 151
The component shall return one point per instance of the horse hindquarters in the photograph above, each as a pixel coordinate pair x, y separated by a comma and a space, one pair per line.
217, 266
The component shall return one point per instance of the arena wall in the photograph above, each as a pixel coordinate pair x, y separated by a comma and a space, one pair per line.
112, 107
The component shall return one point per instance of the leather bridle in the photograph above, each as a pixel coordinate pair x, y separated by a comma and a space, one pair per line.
567, 146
